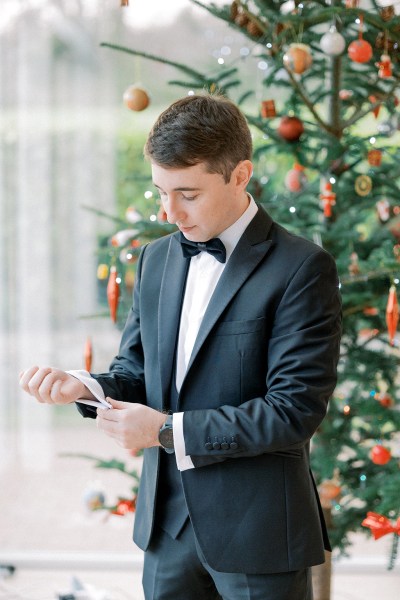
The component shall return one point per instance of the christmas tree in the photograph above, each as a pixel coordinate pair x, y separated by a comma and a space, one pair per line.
326, 148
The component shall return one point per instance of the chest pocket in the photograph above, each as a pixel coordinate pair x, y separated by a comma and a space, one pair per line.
240, 327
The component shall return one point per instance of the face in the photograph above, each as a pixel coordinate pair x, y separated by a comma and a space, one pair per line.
201, 204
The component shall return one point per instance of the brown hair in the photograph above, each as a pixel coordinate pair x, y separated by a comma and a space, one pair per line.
200, 128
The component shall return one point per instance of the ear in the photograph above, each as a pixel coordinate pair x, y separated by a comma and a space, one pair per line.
242, 174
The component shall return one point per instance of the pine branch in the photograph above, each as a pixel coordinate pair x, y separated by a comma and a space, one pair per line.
105, 464
101, 213
362, 277
360, 113
180, 66
300, 90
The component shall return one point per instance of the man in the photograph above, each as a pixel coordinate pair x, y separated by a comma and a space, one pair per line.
224, 372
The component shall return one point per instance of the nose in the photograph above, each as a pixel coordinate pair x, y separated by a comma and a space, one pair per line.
173, 209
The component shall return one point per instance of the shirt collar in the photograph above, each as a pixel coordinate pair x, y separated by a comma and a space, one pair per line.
232, 235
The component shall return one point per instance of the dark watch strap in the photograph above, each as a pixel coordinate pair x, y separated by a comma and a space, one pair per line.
166, 435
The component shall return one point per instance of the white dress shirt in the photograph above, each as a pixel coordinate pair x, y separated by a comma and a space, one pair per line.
203, 276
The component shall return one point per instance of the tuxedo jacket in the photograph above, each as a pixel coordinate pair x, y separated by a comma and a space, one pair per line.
257, 387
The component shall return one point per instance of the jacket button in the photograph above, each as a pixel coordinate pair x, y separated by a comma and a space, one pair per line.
216, 446
233, 445
208, 446
225, 445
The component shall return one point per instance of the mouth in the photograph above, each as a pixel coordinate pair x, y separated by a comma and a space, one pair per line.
185, 229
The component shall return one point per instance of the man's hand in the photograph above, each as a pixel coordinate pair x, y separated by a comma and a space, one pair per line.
53, 386
132, 425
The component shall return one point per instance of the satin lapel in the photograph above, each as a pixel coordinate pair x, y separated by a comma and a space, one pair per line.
171, 294
250, 250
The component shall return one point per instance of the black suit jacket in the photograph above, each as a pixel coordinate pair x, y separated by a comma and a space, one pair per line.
260, 376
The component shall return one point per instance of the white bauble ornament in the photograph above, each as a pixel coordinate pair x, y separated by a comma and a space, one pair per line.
332, 42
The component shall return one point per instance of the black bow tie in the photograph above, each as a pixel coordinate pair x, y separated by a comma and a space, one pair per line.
214, 247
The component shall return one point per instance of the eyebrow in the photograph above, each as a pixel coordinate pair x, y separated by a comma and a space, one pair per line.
180, 189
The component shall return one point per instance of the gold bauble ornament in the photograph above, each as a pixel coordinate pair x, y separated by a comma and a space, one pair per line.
135, 98
298, 58
363, 185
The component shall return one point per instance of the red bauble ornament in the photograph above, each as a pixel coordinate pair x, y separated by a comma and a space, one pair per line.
113, 292
380, 455
295, 179
136, 98
392, 314
290, 128
385, 400
360, 51
88, 354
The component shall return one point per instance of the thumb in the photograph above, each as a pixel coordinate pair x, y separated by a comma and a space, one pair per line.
117, 403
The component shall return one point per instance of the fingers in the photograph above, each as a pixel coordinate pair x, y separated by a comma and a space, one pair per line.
44, 383
118, 403
114, 415
32, 379
109, 426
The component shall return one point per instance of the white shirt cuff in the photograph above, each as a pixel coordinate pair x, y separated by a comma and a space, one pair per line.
183, 462
92, 385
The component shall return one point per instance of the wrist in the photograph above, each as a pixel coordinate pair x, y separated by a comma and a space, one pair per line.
81, 391
166, 435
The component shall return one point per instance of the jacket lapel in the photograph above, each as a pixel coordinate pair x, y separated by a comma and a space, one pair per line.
250, 250
171, 296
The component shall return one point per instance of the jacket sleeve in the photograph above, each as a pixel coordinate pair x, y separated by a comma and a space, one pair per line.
125, 380
302, 354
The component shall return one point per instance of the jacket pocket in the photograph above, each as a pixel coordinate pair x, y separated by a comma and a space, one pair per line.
240, 327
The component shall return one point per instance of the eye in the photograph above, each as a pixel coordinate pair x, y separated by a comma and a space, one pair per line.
189, 197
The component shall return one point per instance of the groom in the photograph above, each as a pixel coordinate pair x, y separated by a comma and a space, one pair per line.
226, 365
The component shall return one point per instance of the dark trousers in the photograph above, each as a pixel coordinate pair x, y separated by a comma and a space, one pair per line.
175, 569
